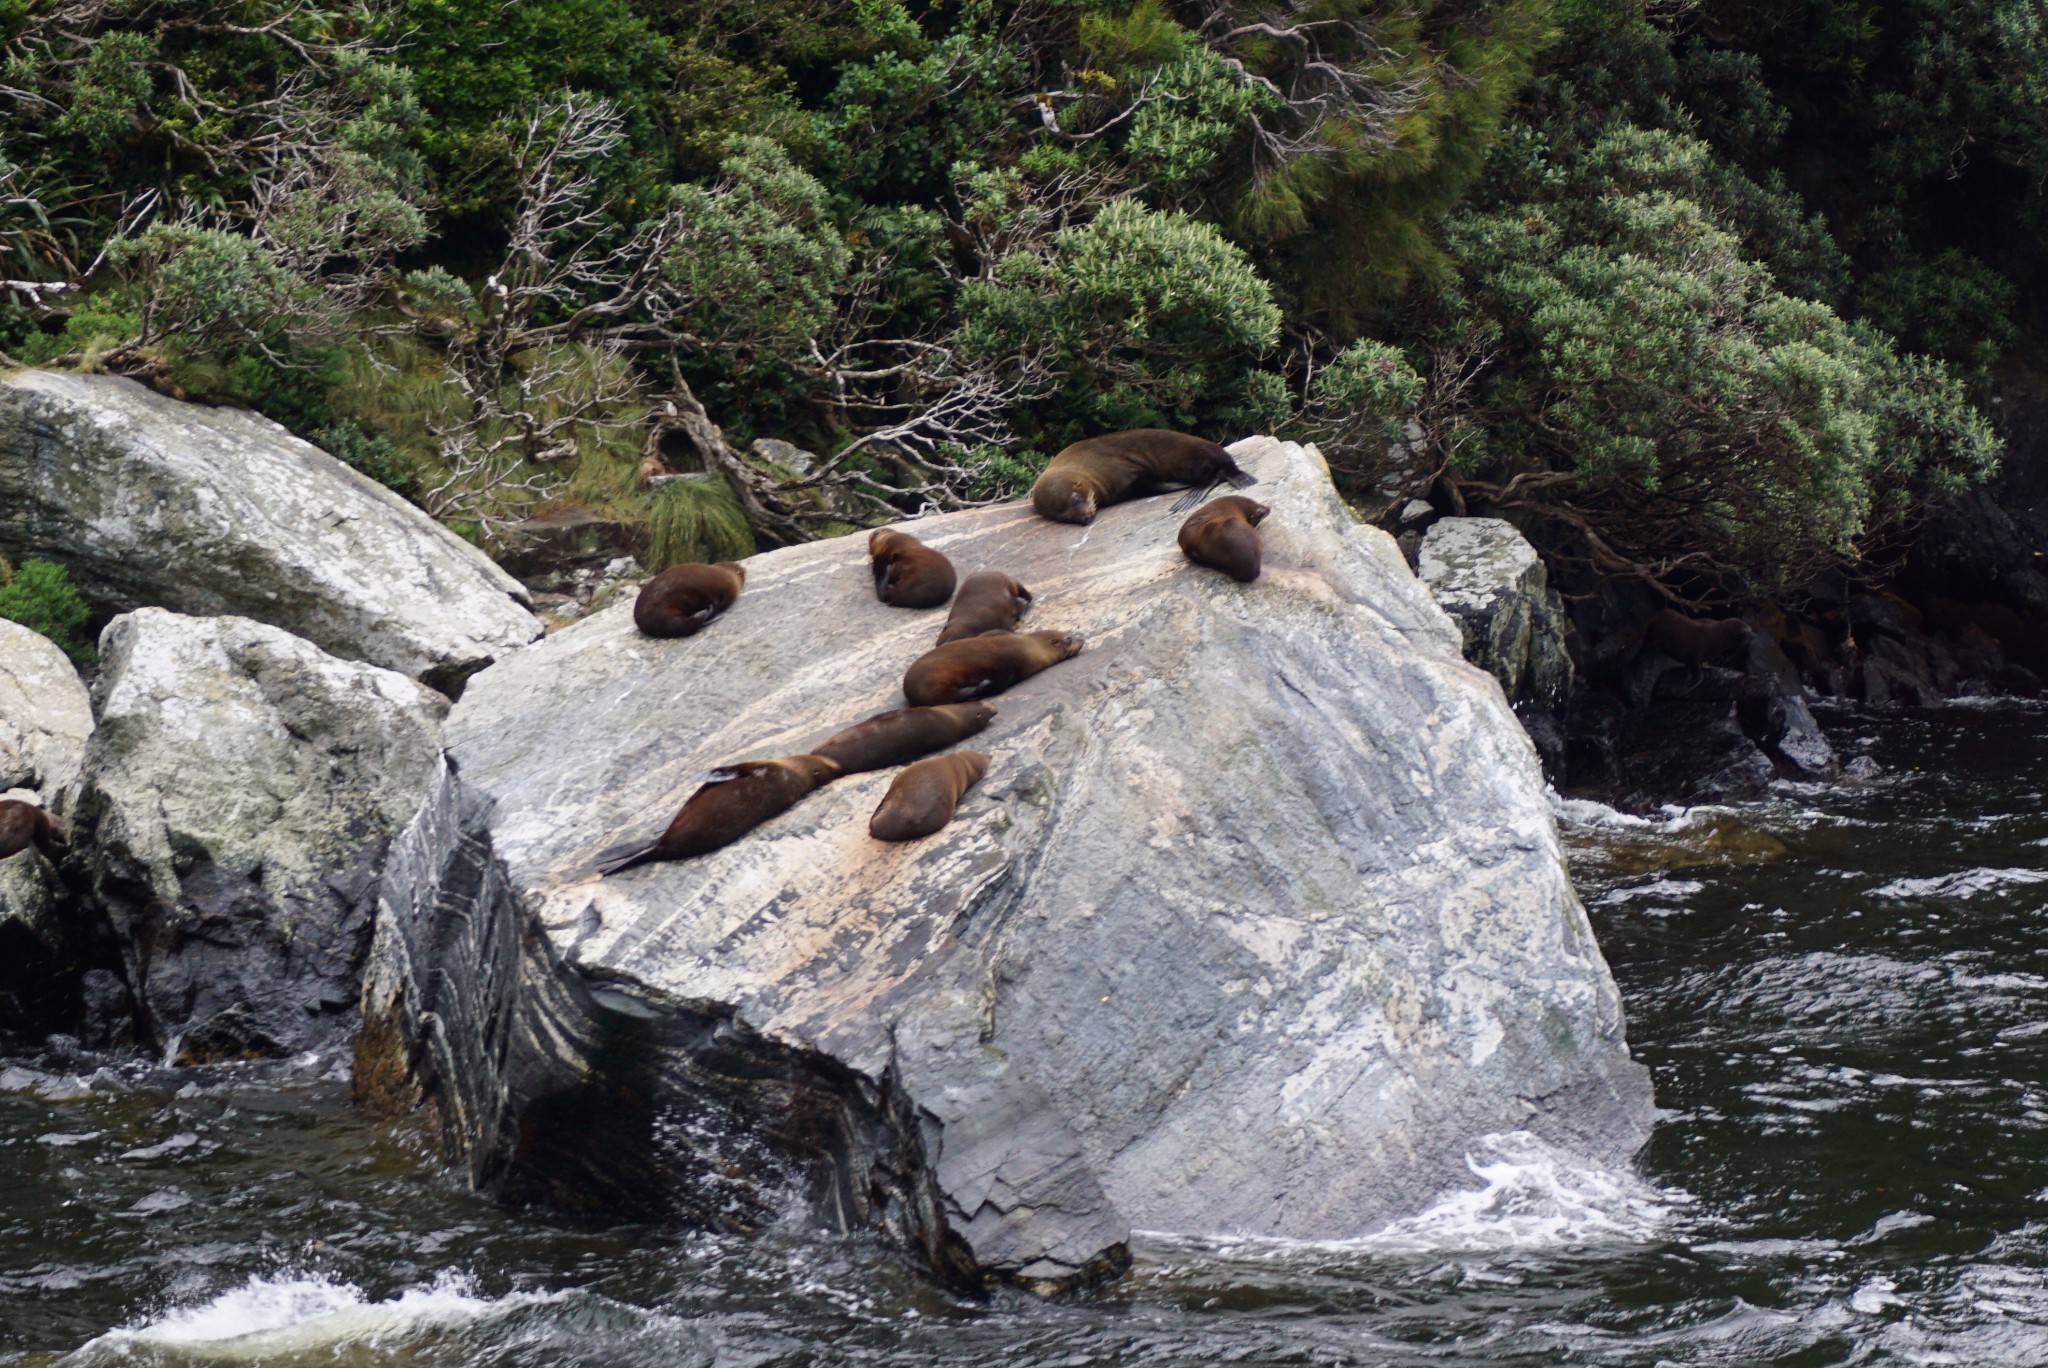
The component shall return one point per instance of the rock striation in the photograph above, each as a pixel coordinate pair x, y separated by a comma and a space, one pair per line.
45, 715
235, 806
153, 502
1257, 922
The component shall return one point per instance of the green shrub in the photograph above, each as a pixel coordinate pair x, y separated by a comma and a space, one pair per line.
41, 597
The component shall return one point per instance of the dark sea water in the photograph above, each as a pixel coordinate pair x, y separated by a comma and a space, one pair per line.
1843, 994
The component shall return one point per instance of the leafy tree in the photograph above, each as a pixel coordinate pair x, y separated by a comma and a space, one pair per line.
41, 597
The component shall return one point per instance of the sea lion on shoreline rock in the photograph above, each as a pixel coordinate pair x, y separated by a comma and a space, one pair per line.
987, 602
1224, 535
733, 801
1697, 642
923, 798
909, 574
23, 825
680, 600
1090, 475
979, 666
896, 738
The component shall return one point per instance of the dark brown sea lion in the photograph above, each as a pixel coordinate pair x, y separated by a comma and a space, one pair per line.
681, 599
1093, 474
896, 738
979, 666
987, 602
23, 825
923, 797
1694, 641
733, 801
1224, 535
909, 574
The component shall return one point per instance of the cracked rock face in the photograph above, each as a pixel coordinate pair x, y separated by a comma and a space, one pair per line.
1256, 923
1488, 578
149, 501
236, 803
45, 714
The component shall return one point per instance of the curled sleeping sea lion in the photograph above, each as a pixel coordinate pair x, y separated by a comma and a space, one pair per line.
896, 738
733, 801
922, 798
681, 599
987, 602
1093, 474
979, 666
1224, 535
909, 574
1696, 641
23, 825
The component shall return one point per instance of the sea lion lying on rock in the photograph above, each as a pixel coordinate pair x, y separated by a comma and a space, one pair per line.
987, 602
1694, 641
1224, 535
909, 574
896, 738
733, 801
923, 798
680, 600
979, 666
1093, 474
23, 825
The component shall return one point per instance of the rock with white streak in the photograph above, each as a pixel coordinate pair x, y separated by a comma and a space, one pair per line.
45, 714
153, 502
1258, 922
236, 803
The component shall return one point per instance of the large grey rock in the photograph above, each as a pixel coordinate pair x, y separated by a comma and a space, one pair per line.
1489, 579
1258, 920
45, 714
34, 943
236, 803
152, 502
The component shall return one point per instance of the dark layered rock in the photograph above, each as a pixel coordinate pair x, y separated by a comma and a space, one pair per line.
1257, 922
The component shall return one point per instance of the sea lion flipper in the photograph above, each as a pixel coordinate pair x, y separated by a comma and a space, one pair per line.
1241, 479
723, 775
623, 857
1194, 496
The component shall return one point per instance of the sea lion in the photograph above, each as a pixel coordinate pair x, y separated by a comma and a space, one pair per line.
978, 666
909, 574
923, 797
733, 801
1695, 641
23, 825
681, 599
1093, 474
896, 738
1224, 535
987, 602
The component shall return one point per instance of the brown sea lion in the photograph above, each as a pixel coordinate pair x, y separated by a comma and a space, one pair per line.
1224, 535
978, 666
896, 738
23, 825
1695, 641
923, 797
909, 574
987, 602
733, 801
1090, 475
681, 599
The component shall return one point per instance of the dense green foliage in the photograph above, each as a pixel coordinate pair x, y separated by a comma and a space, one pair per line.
1699, 294
40, 596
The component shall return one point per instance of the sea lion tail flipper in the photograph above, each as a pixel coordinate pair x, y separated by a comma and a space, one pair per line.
1241, 479
623, 857
1194, 496
724, 774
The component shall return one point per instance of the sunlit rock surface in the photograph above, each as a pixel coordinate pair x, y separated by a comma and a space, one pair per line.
45, 714
153, 502
1257, 921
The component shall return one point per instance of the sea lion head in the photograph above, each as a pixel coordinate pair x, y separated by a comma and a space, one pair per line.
1254, 513
977, 714
1066, 496
816, 768
1065, 645
735, 567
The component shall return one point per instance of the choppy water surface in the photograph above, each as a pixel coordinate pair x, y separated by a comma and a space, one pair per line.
1850, 1034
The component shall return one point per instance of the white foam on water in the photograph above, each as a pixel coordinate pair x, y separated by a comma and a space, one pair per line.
1531, 1197
286, 1314
1966, 884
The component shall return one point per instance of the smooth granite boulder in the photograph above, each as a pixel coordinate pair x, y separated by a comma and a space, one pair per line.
236, 803
153, 502
1257, 923
1487, 576
45, 714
